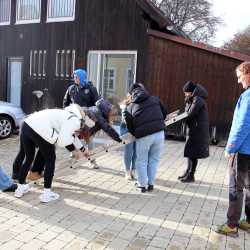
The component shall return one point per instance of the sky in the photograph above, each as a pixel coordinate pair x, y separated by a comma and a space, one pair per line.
236, 16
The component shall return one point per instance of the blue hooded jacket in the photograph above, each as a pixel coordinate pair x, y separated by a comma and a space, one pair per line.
82, 74
239, 137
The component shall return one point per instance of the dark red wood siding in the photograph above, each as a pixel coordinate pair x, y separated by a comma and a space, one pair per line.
171, 64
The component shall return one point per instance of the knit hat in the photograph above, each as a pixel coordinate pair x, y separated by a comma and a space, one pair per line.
135, 86
189, 86
104, 105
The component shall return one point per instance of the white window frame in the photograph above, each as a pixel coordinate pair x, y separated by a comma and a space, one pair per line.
57, 63
73, 65
39, 67
60, 19
44, 63
114, 79
38, 20
62, 64
110, 52
8, 22
67, 63
31, 62
127, 78
35, 63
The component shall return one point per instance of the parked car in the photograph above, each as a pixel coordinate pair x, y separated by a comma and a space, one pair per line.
11, 116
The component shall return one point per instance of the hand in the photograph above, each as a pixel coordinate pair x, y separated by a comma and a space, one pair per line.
77, 155
86, 153
228, 155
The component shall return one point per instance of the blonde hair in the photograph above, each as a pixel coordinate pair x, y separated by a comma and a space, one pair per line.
244, 68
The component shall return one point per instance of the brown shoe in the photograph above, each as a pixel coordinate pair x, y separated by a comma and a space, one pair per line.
33, 176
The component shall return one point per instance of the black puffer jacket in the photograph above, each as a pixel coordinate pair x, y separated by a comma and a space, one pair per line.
197, 143
100, 113
145, 114
85, 96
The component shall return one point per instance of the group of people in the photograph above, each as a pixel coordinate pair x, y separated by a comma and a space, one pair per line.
143, 116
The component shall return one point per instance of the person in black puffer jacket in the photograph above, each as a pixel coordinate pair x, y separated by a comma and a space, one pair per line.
197, 121
145, 117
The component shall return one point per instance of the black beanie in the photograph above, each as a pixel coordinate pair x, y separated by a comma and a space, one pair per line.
189, 86
135, 86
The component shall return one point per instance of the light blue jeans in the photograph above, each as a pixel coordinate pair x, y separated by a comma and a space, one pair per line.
148, 149
5, 180
129, 156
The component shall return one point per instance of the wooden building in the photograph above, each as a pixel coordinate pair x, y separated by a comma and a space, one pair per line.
173, 60
118, 42
43, 41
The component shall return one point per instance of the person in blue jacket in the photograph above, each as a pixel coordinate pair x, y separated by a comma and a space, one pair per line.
82, 92
238, 152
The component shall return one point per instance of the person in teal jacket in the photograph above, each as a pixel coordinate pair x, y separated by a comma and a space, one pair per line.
238, 152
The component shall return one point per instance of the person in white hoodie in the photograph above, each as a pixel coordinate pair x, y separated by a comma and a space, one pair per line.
45, 129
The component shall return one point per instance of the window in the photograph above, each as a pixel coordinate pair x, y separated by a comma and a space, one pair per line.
109, 79
28, 11
130, 77
65, 63
61, 10
5, 7
38, 63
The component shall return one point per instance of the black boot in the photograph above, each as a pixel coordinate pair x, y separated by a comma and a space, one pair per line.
192, 163
188, 178
184, 174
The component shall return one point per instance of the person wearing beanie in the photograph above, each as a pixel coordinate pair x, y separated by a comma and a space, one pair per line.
82, 92
104, 113
197, 122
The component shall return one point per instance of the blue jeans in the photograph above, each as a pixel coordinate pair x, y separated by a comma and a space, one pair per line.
5, 180
148, 149
129, 150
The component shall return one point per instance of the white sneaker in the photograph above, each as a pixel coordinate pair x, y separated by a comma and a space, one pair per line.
128, 176
21, 190
48, 196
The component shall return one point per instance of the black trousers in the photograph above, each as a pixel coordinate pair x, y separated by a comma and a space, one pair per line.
38, 164
30, 140
239, 174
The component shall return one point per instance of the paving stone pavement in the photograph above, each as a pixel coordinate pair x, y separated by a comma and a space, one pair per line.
98, 209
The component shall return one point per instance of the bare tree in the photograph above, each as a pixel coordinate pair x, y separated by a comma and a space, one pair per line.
194, 17
240, 42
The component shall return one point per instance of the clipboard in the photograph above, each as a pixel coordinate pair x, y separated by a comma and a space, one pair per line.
175, 118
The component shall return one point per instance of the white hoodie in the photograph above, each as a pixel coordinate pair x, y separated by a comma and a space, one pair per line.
58, 125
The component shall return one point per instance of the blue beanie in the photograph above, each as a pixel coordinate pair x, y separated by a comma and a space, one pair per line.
82, 74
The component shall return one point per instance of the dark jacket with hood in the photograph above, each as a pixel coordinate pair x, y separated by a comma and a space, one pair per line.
85, 96
197, 141
145, 114
100, 112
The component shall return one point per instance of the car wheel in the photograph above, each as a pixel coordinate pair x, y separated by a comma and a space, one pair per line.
5, 127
